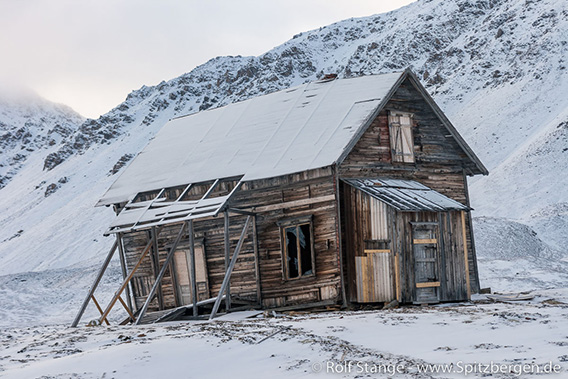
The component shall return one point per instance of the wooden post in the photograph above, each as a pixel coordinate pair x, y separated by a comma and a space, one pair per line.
465, 256
160, 276
123, 268
227, 258
256, 261
125, 282
339, 241
95, 285
230, 269
156, 266
192, 268
475, 269
397, 277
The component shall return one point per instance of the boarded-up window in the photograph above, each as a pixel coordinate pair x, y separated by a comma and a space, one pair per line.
298, 250
402, 141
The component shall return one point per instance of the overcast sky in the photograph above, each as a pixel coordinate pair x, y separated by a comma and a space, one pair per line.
91, 54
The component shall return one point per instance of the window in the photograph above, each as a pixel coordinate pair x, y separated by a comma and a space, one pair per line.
402, 141
297, 248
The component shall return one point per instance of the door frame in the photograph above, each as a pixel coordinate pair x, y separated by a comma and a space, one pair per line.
429, 244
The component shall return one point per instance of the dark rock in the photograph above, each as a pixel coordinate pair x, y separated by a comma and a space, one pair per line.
51, 189
120, 163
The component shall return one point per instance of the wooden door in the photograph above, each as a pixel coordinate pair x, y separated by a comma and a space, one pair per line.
426, 262
182, 261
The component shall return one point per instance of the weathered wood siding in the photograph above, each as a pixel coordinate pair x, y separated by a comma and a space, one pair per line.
276, 290
439, 161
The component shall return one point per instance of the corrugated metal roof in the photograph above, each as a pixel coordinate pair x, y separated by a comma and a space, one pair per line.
406, 195
293, 130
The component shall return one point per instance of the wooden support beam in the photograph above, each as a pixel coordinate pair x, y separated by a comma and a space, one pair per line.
424, 241
98, 307
397, 277
229, 271
160, 275
94, 286
227, 242
123, 268
292, 204
256, 261
156, 266
339, 237
374, 251
192, 267
427, 284
241, 212
125, 282
466, 258
210, 189
126, 308
184, 308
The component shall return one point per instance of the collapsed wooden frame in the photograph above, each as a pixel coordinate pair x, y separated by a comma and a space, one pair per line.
159, 211
224, 293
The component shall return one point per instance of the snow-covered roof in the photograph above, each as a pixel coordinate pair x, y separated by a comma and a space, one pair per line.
406, 195
293, 130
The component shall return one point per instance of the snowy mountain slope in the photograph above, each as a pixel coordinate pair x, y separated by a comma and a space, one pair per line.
30, 124
531, 185
497, 67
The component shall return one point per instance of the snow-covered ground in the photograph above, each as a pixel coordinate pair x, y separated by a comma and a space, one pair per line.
400, 341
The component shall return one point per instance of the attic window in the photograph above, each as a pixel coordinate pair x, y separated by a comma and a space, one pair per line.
402, 141
297, 246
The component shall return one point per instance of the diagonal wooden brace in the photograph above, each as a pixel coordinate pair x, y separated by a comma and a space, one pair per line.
95, 285
160, 276
128, 278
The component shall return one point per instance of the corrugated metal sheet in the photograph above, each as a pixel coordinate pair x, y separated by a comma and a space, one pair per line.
379, 224
301, 128
406, 195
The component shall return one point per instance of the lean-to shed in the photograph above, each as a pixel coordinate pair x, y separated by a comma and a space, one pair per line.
336, 191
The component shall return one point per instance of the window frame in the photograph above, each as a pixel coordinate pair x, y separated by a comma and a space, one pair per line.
401, 156
296, 222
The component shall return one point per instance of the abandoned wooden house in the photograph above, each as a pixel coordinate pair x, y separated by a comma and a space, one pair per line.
333, 192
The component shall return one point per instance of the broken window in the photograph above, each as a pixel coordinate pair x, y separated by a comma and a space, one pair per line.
298, 254
402, 141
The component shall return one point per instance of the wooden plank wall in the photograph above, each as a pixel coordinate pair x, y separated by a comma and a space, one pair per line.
325, 285
276, 291
143, 279
440, 162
